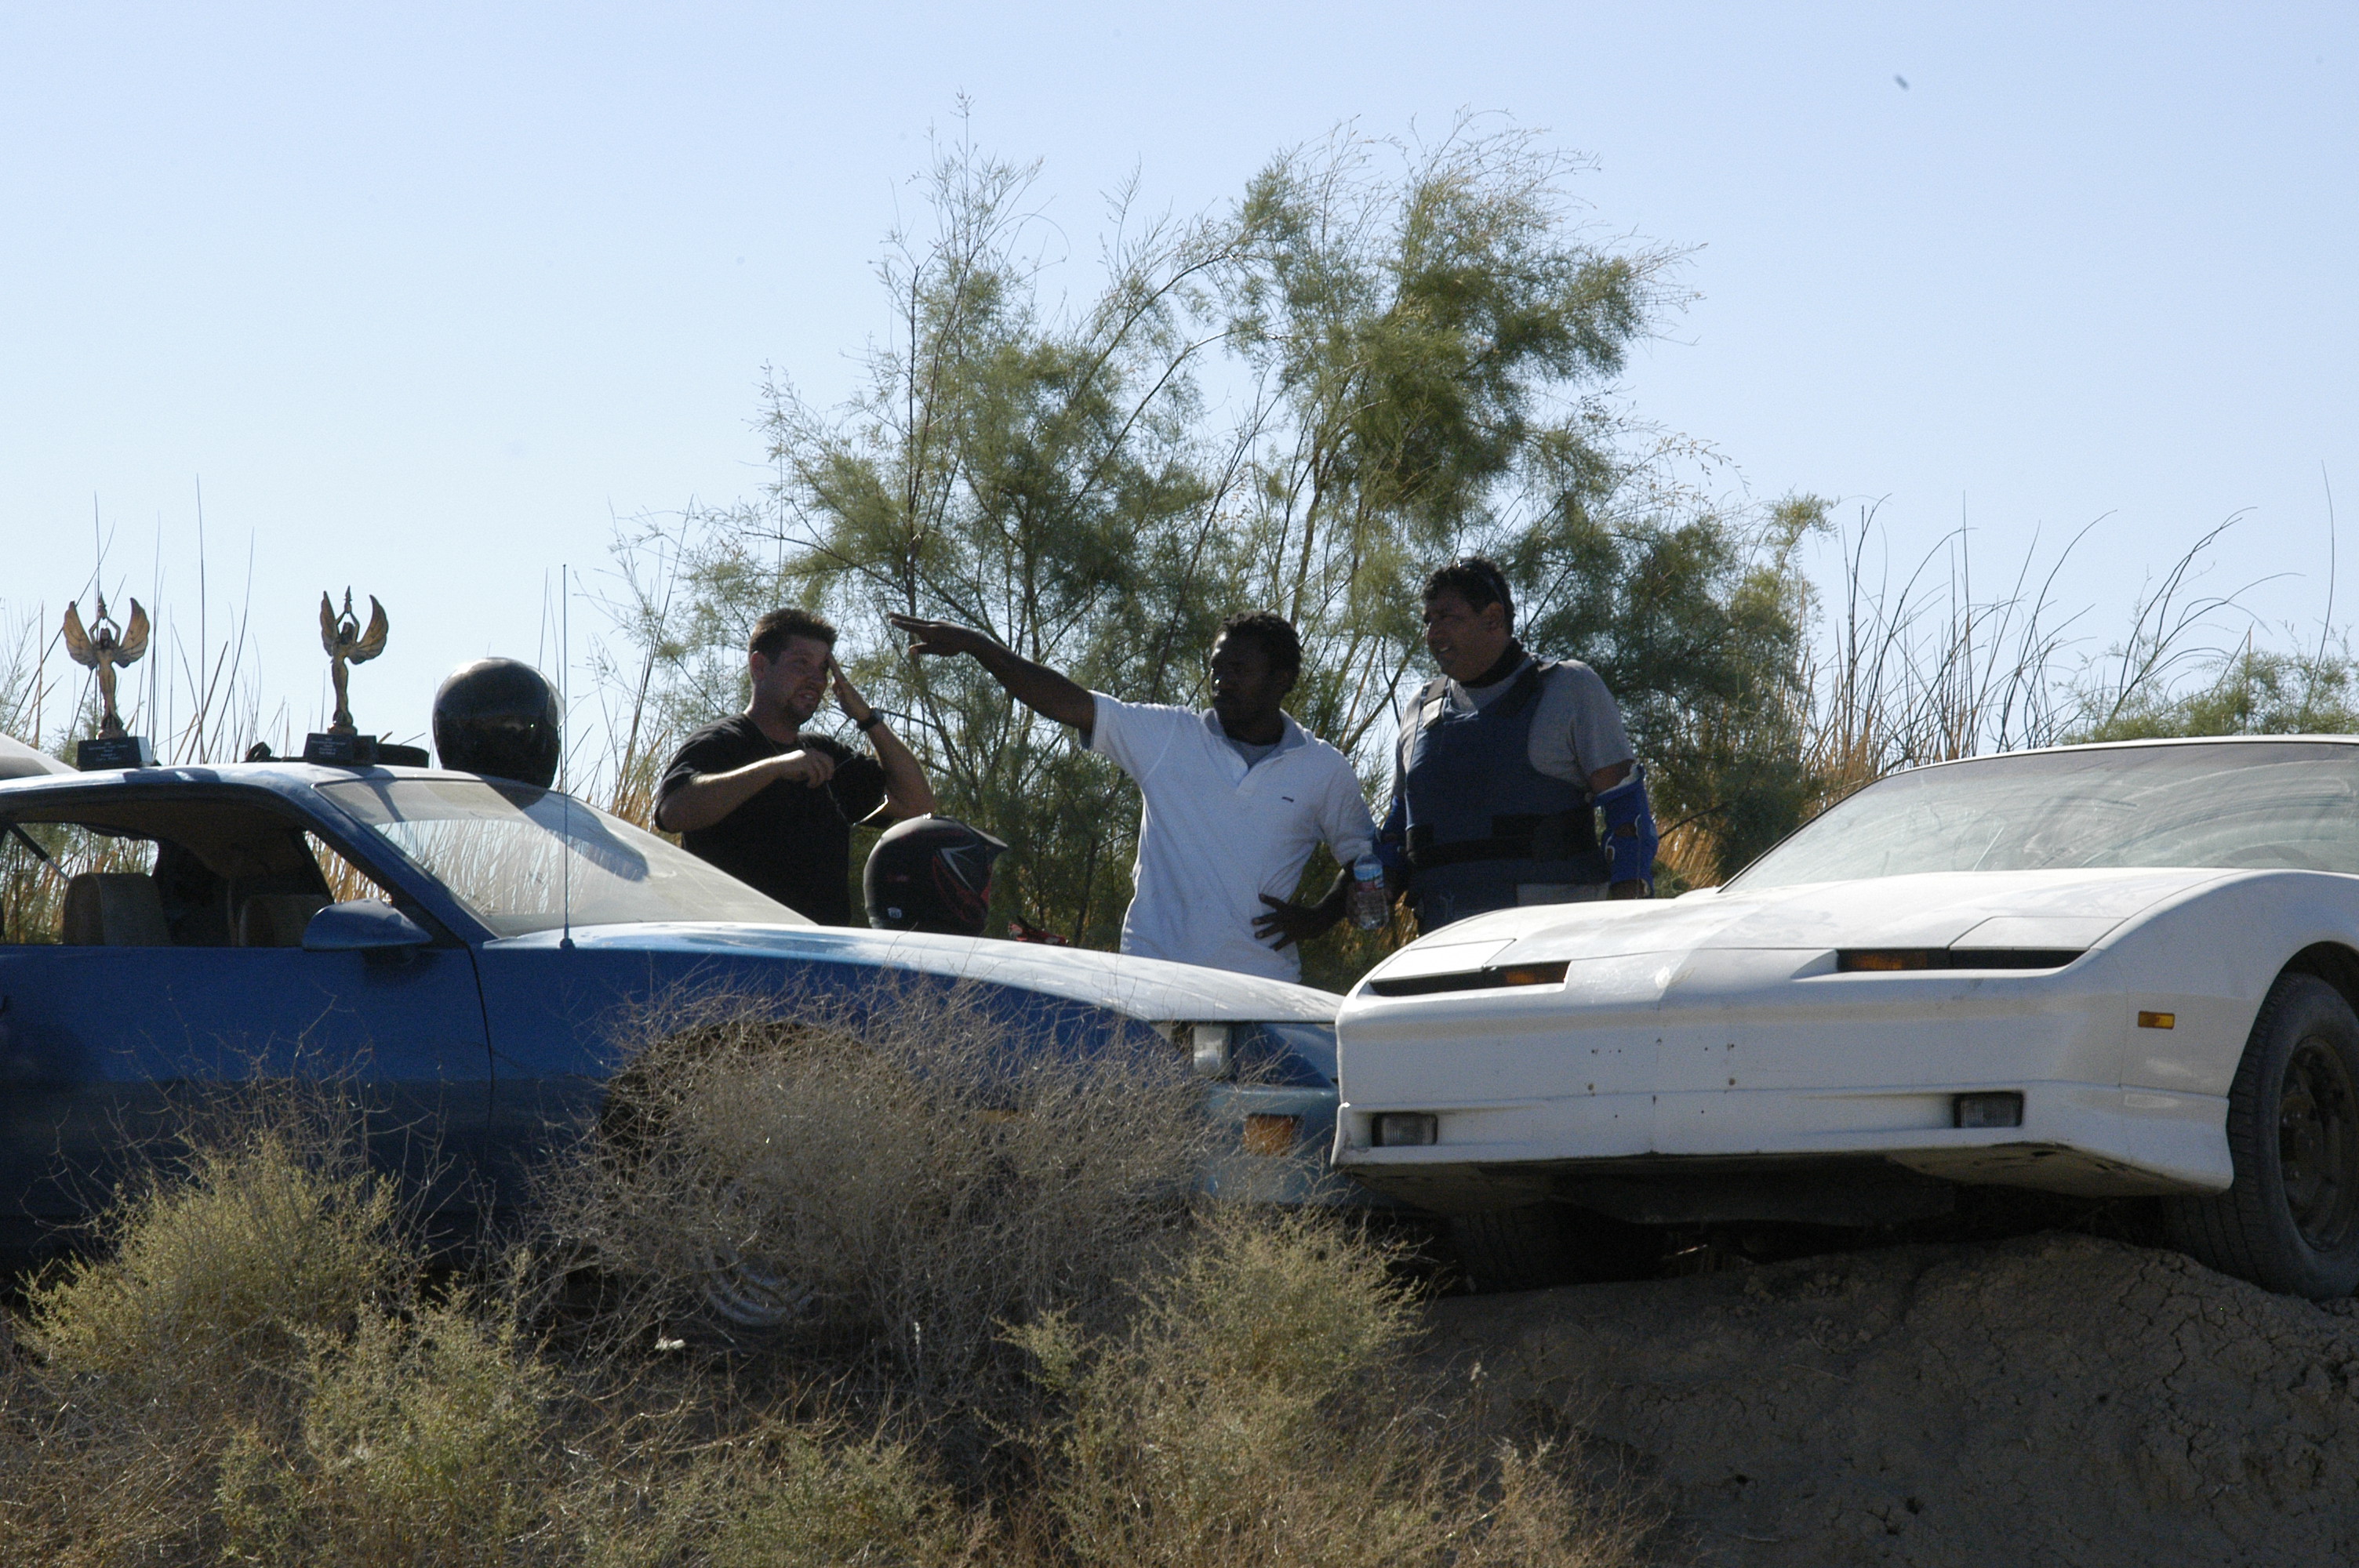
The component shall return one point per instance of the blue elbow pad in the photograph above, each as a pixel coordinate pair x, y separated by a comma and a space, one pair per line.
1630, 840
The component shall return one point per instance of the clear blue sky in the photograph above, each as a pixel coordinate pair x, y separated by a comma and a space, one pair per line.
428, 295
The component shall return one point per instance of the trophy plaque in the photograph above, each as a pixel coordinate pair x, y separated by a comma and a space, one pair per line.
346, 645
105, 647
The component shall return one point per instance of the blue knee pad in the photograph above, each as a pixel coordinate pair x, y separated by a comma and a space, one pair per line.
1630, 840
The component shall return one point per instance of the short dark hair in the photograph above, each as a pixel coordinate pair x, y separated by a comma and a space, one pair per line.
1274, 632
1477, 579
771, 632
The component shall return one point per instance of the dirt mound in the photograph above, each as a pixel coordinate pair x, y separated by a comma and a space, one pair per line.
2046, 1400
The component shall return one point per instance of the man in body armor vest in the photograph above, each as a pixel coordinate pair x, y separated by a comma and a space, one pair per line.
1505, 763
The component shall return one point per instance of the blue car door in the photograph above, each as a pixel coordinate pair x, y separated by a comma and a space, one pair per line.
177, 978
108, 1048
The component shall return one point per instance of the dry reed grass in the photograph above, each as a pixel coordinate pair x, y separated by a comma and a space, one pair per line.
1931, 670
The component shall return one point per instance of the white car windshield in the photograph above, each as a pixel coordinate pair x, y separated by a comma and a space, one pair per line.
2232, 805
530, 859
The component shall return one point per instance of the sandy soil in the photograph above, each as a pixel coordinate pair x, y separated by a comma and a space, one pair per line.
2047, 1400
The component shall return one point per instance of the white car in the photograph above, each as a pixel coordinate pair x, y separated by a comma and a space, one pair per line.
2117, 970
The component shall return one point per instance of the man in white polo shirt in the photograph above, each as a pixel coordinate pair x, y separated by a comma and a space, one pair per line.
1236, 797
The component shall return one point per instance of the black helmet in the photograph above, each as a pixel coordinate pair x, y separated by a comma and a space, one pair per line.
498, 717
931, 873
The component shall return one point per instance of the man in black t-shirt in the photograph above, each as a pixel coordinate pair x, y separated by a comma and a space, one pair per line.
773, 808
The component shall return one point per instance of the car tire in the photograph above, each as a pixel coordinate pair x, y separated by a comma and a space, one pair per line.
740, 1283
1541, 1245
2290, 1222
738, 1279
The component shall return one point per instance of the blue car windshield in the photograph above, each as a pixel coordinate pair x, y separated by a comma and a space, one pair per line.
527, 860
2231, 805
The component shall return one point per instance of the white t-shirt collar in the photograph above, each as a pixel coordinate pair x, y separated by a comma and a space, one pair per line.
1291, 733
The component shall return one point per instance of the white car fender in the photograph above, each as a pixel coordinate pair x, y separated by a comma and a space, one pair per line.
2206, 960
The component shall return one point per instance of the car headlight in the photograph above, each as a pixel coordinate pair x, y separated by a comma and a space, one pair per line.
1209, 1050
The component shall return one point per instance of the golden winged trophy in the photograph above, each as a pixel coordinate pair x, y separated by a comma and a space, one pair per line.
346, 645
105, 647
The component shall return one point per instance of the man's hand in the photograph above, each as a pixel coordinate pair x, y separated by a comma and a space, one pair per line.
947, 638
1037, 686
812, 768
1283, 922
847, 695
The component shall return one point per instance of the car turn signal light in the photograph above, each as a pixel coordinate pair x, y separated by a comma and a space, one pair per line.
1883, 958
2158, 1020
1271, 1134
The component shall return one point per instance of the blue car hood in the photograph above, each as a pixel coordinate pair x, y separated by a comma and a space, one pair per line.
1149, 989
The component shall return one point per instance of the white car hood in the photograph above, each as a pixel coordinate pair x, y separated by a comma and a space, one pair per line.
1977, 909
18, 761
1147, 988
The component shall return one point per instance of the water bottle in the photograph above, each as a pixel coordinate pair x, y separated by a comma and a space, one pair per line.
1370, 904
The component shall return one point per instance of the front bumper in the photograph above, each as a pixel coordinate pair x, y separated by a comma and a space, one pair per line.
1770, 1057
2090, 1139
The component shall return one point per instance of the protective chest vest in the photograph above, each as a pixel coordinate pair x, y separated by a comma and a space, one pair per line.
1483, 822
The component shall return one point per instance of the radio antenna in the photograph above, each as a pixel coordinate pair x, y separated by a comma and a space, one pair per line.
565, 717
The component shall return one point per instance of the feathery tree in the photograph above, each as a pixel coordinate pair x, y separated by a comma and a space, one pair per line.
1302, 405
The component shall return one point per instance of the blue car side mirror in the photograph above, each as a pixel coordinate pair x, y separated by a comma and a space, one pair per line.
363, 925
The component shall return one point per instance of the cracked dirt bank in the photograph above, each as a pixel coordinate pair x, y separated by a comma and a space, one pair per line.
2047, 1400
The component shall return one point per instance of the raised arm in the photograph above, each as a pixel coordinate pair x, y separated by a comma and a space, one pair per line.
906, 791
1037, 686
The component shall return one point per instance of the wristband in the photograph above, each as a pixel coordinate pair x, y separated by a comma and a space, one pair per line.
871, 722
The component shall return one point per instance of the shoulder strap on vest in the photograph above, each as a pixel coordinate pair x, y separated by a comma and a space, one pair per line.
1527, 687
1431, 697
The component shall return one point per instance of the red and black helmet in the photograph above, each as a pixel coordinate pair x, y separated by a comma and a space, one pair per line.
931, 873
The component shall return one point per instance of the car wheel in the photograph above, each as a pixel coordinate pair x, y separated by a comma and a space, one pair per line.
1539, 1245
2290, 1222
737, 1281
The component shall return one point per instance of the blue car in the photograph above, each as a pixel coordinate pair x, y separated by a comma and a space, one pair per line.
461, 949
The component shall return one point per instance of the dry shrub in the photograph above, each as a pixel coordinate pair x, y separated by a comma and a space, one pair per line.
818, 1497
898, 1185
225, 1267
1100, 1380
417, 1439
1261, 1410
220, 1268
88, 1481
251, 1374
